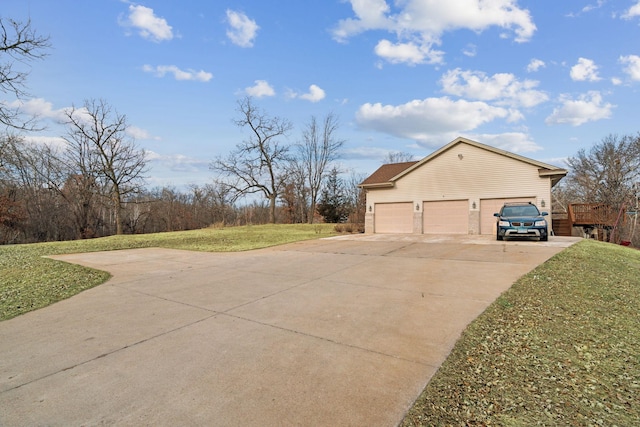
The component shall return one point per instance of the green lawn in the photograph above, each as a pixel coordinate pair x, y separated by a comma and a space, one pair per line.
28, 281
561, 347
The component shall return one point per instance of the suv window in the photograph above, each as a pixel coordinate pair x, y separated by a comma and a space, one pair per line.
524, 210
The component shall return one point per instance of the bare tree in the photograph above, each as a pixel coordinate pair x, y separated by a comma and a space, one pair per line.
49, 184
220, 204
29, 173
295, 197
607, 173
42, 167
18, 43
100, 148
257, 163
356, 197
319, 147
12, 214
397, 157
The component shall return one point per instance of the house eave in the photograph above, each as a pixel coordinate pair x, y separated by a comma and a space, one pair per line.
555, 174
377, 185
552, 172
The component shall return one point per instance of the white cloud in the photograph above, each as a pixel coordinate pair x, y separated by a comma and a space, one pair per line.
558, 161
515, 142
471, 50
409, 53
633, 11
178, 74
55, 142
359, 153
632, 68
503, 88
243, 30
590, 7
315, 94
586, 9
428, 121
178, 162
588, 107
80, 114
585, 70
40, 108
147, 23
43, 109
419, 25
260, 89
535, 65
139, 133
371, 15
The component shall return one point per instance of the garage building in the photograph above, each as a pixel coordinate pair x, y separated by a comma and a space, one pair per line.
456, 189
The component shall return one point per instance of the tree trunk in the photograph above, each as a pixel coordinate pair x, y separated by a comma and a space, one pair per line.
117, 204
272, 208
312, 211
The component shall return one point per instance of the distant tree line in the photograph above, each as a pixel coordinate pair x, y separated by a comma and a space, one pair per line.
94, 184
41, 200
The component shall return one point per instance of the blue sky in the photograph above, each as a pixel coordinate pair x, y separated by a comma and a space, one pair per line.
542, 78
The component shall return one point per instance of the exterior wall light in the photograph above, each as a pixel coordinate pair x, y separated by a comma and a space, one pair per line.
473, 205
370, 208
417, 207
542, 203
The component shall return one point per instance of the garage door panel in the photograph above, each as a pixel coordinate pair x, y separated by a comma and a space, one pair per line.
490, 206
393, 218
446, 217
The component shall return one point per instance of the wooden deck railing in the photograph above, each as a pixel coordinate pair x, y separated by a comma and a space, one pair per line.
592, 214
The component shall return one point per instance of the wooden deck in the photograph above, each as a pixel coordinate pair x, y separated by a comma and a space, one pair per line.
596, 219
592, 215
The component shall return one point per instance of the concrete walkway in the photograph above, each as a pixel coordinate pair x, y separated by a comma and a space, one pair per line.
341, 331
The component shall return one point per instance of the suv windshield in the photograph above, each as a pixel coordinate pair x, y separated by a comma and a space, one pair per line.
524, 210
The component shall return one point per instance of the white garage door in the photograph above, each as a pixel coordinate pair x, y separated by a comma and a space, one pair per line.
446, 217
393, 218
490, 206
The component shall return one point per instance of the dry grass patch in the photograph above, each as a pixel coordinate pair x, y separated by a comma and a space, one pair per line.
561, 347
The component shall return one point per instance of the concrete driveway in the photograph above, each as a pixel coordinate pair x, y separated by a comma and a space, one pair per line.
340, 331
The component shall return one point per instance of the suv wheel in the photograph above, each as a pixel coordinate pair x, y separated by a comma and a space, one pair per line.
498, 236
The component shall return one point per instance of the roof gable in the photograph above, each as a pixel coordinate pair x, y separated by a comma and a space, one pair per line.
386, 178
461, 140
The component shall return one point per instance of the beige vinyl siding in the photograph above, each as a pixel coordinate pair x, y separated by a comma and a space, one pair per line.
446, 217
394, 218
478, 174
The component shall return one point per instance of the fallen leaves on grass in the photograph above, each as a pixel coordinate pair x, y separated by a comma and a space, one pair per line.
561, 347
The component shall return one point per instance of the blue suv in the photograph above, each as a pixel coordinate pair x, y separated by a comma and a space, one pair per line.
521, 220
